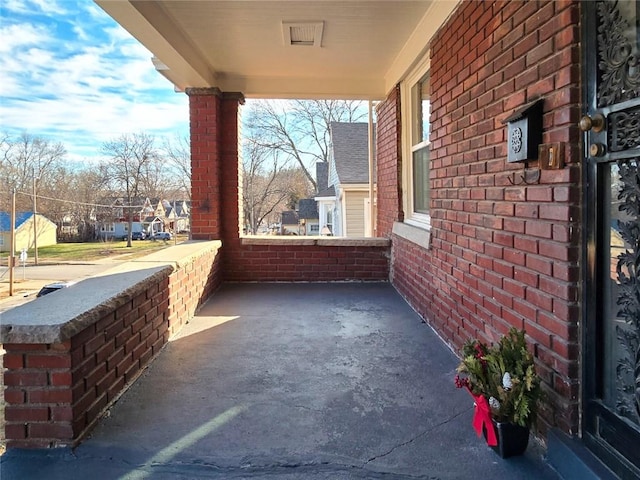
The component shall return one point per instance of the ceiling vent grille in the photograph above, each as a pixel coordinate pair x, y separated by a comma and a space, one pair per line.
307, 34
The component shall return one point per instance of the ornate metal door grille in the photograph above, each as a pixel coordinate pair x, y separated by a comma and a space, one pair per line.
611, 34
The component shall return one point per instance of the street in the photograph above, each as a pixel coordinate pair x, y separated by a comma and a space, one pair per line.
28, 280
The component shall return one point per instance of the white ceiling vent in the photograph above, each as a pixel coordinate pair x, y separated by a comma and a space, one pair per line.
307, 34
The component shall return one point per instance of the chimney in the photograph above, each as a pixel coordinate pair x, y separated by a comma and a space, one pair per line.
322, 176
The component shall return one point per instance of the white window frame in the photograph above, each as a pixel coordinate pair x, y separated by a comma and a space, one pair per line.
417, 219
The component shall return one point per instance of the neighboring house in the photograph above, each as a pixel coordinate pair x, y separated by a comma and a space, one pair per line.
326, 199
114, 222
289, 223
176, 215
344, 207
24, 231
148, 215
308, 217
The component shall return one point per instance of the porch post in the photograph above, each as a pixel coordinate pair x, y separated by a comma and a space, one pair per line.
204, 123
214, 161
230, 183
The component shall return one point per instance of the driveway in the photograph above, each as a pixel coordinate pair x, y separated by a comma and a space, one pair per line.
291, 381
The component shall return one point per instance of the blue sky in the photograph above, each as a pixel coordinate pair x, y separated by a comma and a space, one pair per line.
69, 73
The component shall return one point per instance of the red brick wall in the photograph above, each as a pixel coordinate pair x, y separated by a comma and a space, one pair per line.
205, 121
308, 263
389, 165
55, 393
502, 255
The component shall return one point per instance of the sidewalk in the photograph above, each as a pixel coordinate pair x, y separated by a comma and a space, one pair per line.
291, 381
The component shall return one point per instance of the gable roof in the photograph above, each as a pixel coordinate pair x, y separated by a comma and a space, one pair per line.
5, 220
351, 151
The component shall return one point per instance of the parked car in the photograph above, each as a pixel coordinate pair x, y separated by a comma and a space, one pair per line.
161, 236
53, 287
136, 236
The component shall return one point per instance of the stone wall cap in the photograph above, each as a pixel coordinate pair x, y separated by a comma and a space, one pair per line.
58, 316
319, 241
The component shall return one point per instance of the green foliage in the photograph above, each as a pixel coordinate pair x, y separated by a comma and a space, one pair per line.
484, 368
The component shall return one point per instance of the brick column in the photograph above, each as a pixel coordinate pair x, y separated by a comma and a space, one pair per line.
214, 160
230, 183
204, 117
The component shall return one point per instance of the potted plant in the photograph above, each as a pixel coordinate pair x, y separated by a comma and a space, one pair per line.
503, 381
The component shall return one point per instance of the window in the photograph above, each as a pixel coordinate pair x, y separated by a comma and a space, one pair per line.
420, 144
416, 108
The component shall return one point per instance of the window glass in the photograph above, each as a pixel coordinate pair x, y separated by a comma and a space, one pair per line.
421, 180
424, 109
421, 109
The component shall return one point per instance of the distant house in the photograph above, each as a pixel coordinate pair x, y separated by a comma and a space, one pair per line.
289, 223
114, 223
305, 219
344, 206
177, 215
308, 217
147, 215
24, 231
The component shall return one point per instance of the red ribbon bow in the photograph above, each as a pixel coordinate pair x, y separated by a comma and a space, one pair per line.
482, 419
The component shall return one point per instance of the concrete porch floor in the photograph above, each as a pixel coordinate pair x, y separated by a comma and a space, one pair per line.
290, 381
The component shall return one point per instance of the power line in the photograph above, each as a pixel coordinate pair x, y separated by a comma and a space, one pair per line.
74, 202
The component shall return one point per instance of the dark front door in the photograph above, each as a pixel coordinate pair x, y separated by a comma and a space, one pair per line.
611, 46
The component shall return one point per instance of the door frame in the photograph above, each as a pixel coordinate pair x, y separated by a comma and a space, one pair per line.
592, 329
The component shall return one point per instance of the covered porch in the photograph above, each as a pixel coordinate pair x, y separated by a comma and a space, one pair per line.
476, 237
291, 381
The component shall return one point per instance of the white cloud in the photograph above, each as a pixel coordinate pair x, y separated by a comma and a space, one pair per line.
80, 82
17, 36
31, 6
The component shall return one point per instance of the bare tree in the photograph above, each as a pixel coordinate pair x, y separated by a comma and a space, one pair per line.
269, 185
131, 159
300, 128
81, 191
24, 160
177, 154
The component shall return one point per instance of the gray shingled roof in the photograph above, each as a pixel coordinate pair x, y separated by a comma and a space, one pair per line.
327, 192
308, 209
289, 217
351, 151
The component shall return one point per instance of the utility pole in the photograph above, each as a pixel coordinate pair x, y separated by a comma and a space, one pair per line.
12, 241
35, 220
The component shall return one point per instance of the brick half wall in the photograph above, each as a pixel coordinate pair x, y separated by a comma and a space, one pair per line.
311, 259
57, 390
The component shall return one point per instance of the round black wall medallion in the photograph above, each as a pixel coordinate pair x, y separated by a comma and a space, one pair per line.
516, 140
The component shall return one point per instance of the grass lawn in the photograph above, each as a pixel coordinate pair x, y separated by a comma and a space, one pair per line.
95, 250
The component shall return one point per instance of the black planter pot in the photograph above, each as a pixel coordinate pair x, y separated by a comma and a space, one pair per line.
512, 439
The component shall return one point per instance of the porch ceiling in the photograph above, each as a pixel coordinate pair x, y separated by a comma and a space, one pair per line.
239, 46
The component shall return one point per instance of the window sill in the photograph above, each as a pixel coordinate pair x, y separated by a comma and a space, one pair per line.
421, 236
